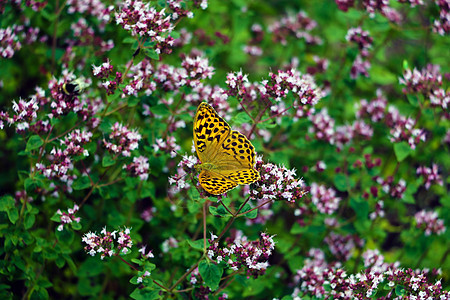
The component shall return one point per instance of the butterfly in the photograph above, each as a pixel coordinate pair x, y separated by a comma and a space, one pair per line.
227, 157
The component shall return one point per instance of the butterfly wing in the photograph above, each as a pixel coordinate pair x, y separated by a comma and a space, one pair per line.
229, 151
214, 183
236, 152
210, 131
244, 176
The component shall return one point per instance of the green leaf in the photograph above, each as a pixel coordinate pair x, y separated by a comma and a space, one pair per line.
81, 183
39, 293
91, 267
405, 65
6, 202
402, 150
115, 96
145, 294
34, 142
108, 161
381, 75
151, 53
194, 195
65, 236
413, 100
175, 34
241, 118
400, 290
340, 182
251, 215
198, 244
29, 221
361, 208
296, 229
128, 40
32, 184
211, 274
76, 226
13, 215
160, 110
219, 211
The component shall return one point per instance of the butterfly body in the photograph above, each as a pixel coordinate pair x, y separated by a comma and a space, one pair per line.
227, 156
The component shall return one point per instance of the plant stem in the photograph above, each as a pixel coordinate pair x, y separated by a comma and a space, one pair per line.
186, 274
259, 206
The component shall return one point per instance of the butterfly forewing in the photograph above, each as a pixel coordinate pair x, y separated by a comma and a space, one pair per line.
210, 130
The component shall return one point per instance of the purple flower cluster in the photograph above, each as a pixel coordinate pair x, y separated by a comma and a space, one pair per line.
374, 109
143, 20
364, 42
253, 48
138, 168
428, 220
25, 113
424, 81
329, 281
11, 37
178, 11
85, 36
74, 142
168, 146
324, 199
373, 6
388, 186
197, 68
378, 212
401, 127
342, 246
105, 71
214, 95
169, 243
442, 25
296, 26
416, 283
61, 160
323, 128
276, 183
427, 82
361, 38
148, 214
430, 175
69, 217
413, 3
241, 254
106, 242
302, 86
320, 67
344, 5
316, 274
123, 140
185, 166
94, 8
359, 67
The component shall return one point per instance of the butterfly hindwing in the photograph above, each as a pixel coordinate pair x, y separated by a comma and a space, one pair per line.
245, 176
214, 183
236, 152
